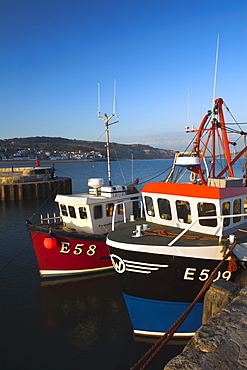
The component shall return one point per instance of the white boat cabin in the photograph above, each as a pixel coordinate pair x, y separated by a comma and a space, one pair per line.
180, 205
92, 212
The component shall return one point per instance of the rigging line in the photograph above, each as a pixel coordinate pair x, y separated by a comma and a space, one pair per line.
235, 123
119, 163
232, 131
67, 174
178, 174
158, 174
238, 138
228, 110
182, 173
103, 133
12, 259
216, 158
45, 201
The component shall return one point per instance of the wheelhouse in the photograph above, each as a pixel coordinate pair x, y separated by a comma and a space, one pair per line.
181, 205
92, 213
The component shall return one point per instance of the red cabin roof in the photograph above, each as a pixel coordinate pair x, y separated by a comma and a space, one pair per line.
192, 190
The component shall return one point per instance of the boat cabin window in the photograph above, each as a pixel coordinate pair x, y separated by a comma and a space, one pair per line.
149, 206
83, 213
226, 208
72, 211
64, 210
109, 209
97, 212
245, 206
183, 211
236, 209
207, 210
164, 209
120, 209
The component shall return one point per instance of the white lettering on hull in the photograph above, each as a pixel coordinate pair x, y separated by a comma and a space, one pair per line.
78, 250
204, 274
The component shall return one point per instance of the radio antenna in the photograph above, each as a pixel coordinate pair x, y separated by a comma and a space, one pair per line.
98, 98
215, 69
106, 119
188, 110
114, 98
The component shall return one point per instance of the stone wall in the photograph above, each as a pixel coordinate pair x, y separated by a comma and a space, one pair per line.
220, 344
16, 175
35, 190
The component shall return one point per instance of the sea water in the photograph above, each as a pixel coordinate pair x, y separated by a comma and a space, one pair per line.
73, 323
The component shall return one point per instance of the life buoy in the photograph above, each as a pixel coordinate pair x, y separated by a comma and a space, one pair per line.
50, 241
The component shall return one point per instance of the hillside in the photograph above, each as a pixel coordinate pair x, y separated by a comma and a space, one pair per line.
51, 144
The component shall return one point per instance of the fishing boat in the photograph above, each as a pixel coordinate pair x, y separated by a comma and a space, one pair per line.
164, 258
74, 242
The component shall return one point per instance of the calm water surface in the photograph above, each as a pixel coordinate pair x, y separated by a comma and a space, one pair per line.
78, 323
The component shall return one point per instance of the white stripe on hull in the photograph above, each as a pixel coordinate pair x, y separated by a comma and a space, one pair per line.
160, 334
50, 273
210, 252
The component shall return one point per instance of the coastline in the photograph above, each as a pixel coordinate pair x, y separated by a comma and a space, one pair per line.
47, 161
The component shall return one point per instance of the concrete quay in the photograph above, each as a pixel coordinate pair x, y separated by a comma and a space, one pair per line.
219, 344
35, 190
20, 183
12, 175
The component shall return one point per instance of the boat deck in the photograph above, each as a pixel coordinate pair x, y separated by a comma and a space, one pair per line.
161, 235
62, 231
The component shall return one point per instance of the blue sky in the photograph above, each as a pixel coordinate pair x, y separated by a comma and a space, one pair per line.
162, 54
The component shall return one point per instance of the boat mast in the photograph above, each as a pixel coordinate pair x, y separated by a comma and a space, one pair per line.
106, 119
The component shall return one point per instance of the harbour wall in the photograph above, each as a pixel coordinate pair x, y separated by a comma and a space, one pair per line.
35, 189
24, 174
221, 343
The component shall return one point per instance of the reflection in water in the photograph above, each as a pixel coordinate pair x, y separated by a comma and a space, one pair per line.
88, 315
83, 308
87, 319
78, 323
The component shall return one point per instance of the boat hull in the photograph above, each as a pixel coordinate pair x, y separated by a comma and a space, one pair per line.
158, 288
72, 254
153, 317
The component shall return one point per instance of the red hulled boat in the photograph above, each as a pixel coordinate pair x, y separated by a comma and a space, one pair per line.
75, 241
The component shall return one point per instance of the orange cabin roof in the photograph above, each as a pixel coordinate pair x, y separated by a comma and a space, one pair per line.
192, 190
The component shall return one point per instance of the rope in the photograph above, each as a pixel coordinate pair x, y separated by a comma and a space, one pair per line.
156, 348
166, 233
232, 266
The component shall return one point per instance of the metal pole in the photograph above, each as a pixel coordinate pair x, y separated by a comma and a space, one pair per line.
108, 152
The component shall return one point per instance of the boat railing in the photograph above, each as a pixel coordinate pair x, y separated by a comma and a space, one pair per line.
50, 219
124, 202
222, 217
